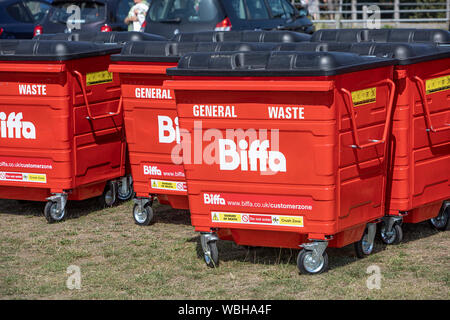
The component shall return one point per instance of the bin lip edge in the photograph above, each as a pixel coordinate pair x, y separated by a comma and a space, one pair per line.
278, 73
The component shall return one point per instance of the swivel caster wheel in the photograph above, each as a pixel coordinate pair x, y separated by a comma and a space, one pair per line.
365, 246
308, 264
52, 214
109, 196
211, 256
144, 216
125, 193
395, 236
440, 223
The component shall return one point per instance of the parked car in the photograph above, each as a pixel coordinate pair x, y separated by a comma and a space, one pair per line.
94, 15
19, 17
169, 17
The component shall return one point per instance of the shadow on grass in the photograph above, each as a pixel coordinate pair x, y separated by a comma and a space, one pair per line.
168, 215
338, 257
75, 209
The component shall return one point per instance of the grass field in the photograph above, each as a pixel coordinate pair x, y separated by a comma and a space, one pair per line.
120, 260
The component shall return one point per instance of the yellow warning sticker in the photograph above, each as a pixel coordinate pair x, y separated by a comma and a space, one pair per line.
37, 178
229, 217
98, 77
297, 221
168, 185
257, 219
437, 84
364, 96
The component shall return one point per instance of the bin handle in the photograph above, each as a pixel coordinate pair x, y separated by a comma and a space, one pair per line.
423, 95
90, 116
372, 142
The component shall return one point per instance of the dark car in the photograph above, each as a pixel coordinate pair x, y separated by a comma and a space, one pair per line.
94, 15
19, 17
169, 17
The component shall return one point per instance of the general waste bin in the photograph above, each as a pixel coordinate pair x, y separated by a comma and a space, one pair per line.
62, 135
242, 36
293, 149
382, 35
419, 176
151, 121
125, 185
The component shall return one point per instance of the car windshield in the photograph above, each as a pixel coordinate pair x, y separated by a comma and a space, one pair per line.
77, 12
183, 10
257, 9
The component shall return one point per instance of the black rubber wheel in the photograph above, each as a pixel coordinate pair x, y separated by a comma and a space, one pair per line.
50, 213
108, 198
362, 247
394, 237
306, 265
440, 223
212, 260
125, 196
145, 217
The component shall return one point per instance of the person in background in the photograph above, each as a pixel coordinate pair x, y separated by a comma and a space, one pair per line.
313, 8
136, 15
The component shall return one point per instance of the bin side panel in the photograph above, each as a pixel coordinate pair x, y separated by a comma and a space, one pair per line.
228, 185
152, 131
35, 133
421, 158
99, 144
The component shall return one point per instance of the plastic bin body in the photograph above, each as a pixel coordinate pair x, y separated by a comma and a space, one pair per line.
115, 37
420, 153
47, 144
151, 128
151, 120
317, 186
419, 174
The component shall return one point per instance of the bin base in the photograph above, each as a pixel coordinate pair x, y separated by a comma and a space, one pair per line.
423, 213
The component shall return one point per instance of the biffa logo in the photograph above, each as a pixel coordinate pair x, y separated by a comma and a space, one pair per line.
230, 158
14, 127
213, 199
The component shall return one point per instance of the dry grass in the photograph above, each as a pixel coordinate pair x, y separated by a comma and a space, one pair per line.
120, 260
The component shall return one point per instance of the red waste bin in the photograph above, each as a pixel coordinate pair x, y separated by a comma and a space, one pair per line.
61, 124
419, 175
151, 120
124, 186
293, 149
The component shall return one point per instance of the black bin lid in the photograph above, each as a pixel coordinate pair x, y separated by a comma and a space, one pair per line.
382, 35
404, 53
52, 50
274, 64
119, 37
141, 51
242, 36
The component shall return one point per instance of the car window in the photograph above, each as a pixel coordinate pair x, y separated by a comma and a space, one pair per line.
238, 7
37, 9
257, 10
278, 9
19, 13
89, 12
123, 8
288, 8
183, 10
